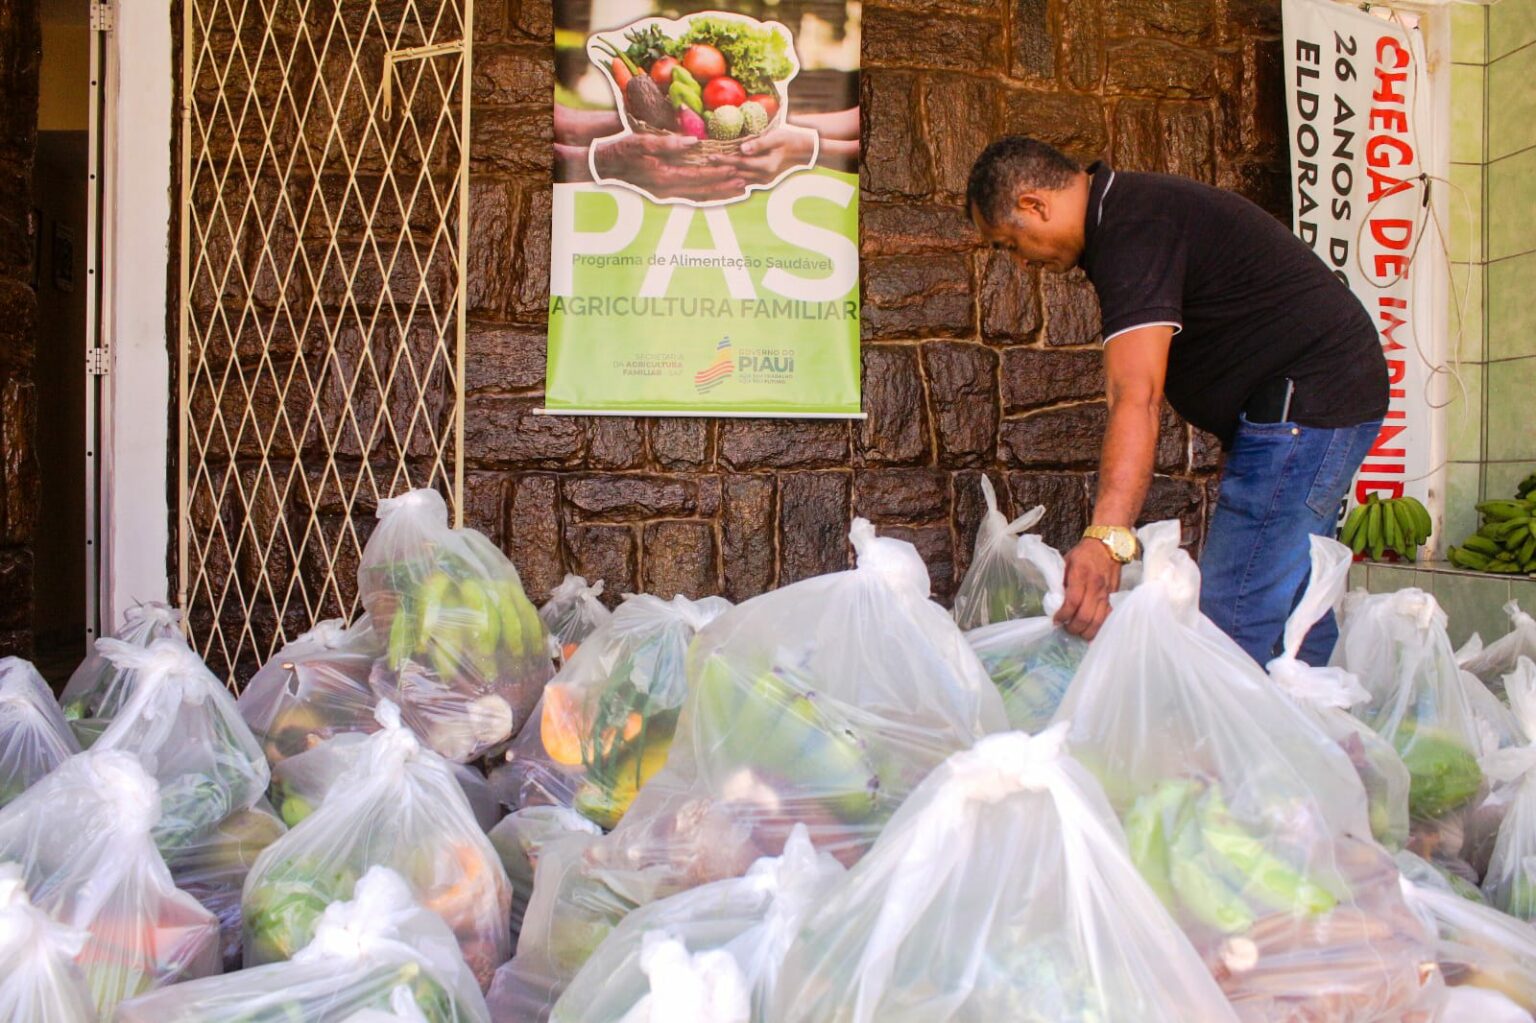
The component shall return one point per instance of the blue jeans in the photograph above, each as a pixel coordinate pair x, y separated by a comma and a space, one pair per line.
1282, 484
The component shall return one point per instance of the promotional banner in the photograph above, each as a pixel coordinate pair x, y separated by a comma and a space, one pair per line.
1365, 144
704, 253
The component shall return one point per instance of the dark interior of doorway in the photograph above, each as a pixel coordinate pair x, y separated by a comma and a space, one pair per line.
61, 190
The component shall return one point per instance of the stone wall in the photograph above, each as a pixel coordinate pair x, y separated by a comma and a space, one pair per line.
969, 365
20, 53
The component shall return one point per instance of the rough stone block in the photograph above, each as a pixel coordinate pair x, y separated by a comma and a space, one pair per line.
533, 532
485, 505
1071, 309
1172, 442
1138, 135
901, 495
902, 229
504, 432
680, 444
1034, 44
623, 497
931, 41
895, 431
607, 553
961, 120
506, 75
1158, 68
1010, 300
918, 296
530, 266
1082, 43
895, 160
503, 358
969, 507
962, 390
1070, 435
1034, 377
1188, 141
1186, 19
1070, 122
679, 558
747, 536
487, 285
783, 443
512, 140
615, 442
813, 524
1068, 500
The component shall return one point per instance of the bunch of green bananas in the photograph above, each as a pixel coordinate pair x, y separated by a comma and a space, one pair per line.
1375, 527
468, 625
1203, 864
1505, 542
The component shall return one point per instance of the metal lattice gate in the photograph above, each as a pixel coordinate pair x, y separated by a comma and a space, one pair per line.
323, 223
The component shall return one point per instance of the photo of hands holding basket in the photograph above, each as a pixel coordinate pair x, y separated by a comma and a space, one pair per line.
707, 92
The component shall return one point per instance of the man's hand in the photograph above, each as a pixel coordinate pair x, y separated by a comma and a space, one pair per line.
1092, 575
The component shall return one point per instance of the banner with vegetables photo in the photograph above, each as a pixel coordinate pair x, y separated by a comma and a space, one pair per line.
704, 255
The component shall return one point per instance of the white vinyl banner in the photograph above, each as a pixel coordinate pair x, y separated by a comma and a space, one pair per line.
1367, 136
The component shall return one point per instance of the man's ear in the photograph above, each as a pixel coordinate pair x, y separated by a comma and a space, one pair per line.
1032, 202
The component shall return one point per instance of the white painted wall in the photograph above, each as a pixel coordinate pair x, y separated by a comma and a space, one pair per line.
136, 415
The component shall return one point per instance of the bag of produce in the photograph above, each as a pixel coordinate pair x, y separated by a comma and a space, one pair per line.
1000, 584
1492, 662
34, 737
612, 710
39, 981
1510, 882
529, 776
84, 837
1246, 819
572, 613
1032, 660
710, 955
521, 836
363, 951
98, 688
1396, 645
402, 1009
1001, 890
398, 806
822, 703
1477, 947
1325, 694
301, 782
315, 688
185, 729
466, 655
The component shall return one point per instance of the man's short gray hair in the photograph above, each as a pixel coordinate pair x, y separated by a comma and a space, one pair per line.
1012, 165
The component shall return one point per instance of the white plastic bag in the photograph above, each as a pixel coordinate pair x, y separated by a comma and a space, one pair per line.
315, 688
1476, 946
1396, 644
1326, 693
521, 836
709, 955
999, 585
822, 703
39, 981
402, 1009
98, 688
84, 839
1510, 882
34, 737
1032, 660
398, 806
363, 951
1492, 662
1001, 890
301, 783
572, 613
185, 729
610, 714
466, 653
1246, 819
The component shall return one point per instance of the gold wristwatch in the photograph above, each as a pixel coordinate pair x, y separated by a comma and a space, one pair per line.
1122, 543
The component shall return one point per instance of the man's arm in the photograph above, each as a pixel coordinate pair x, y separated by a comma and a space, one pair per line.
1135, 365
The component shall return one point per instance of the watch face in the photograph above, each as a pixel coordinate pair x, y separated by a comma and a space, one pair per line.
1123, 545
